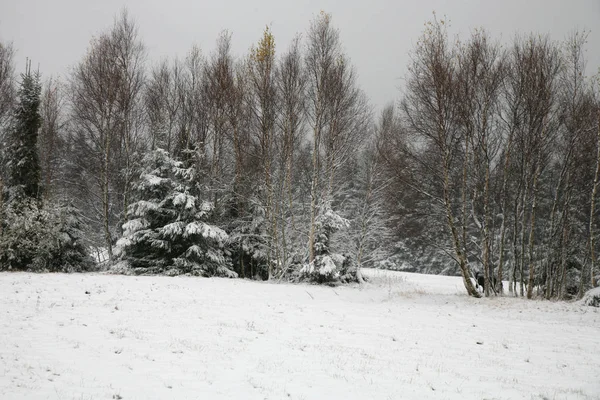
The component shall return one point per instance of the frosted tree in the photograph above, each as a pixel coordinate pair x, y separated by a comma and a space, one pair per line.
167, 230
250, 240
23, 161
44, 239
329, 266
35, 236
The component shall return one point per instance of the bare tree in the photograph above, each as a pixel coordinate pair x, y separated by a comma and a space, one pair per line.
481, 71
52, 135
106, 89
218, 87
530, 125
193, 133
370, 226
291, 86
323, 49
7, 83
568, 166
431, 109
130, 57
592, 206
164, 103
337, 110
262, 70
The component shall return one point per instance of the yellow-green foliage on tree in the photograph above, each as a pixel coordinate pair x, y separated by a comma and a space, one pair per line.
265, 51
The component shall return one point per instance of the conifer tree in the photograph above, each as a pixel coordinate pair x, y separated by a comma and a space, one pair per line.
36, 236
24, 165
167, 231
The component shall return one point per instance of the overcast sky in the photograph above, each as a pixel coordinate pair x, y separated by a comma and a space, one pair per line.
376, 34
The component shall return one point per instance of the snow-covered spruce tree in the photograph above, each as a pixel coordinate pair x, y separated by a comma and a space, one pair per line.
327, 265
44, 238
248, 240
35, 236
20, 222
167, 231
23, 164
69, 253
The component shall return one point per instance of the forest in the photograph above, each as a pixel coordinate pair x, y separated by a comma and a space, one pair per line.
274, 165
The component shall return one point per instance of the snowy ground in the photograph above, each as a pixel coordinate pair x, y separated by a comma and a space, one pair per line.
402, 336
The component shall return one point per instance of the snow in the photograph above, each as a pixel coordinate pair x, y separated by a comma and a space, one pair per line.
591, 298
213, 233
327, 266
183, 198
401, 336
173, 229
207, 231
140, 208
134, 225
153, 180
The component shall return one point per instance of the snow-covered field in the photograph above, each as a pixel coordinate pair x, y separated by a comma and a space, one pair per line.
401, 336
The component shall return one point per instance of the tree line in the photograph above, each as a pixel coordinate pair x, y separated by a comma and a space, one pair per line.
499, 147
272, 166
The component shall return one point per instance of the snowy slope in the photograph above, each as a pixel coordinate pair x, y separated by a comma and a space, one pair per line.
402, 336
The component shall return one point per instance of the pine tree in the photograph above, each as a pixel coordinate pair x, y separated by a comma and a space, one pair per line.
24, 166
167, 231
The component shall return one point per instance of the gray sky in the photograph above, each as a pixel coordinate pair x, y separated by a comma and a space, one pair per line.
376, 34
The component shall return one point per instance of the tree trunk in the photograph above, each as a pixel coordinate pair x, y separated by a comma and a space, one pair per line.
512, 284
558, 286
313, 190
592, 209
1, 202
504, 210
486, 234
106, 198
530, 259
522, 254
458, 248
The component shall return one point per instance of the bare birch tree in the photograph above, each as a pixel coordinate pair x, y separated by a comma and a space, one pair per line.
479, 82
430, 110
106, 90
291, 86
262, 70
218, 87
52, 135
338, 113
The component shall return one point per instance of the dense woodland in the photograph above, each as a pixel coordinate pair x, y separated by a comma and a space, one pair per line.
273, 165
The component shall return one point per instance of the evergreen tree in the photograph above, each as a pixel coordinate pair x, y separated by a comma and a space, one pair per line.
24, 165
329, 266
167, 231
43, 239
249, 242
35, 236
